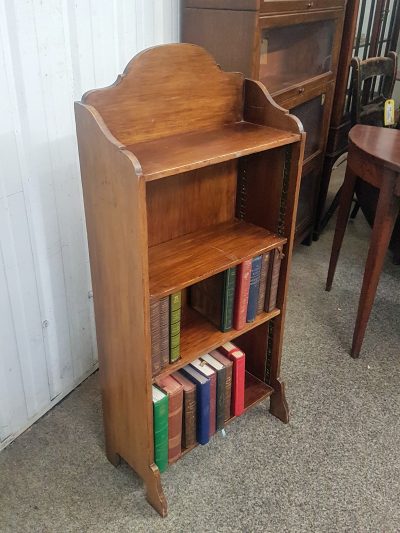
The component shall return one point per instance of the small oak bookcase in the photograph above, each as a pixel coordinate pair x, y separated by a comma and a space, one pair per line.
187, 170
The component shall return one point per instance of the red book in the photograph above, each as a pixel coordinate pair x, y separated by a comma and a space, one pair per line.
208, 372
238, 358
175, 402
243, 274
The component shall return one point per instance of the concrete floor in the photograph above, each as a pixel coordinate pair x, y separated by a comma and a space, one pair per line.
335, 467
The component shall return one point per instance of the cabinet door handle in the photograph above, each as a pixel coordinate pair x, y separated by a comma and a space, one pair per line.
310, 4
301, 90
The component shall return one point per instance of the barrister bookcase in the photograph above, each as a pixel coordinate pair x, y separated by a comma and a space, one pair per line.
187, 170
292, 46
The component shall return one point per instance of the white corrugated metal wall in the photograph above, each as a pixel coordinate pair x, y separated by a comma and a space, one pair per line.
51, 52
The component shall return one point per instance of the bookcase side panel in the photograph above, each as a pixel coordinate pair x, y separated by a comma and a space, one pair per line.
194, 200
116, 223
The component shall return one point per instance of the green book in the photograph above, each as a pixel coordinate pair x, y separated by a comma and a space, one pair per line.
175, 326
228, 298
160, 428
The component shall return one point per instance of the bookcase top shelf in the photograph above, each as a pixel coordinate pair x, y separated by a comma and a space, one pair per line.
188, 151
180, 262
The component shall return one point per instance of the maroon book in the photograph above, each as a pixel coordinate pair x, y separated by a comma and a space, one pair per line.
175, 402
243, 274
273, 279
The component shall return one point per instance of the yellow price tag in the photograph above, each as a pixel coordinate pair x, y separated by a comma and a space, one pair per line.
389, 112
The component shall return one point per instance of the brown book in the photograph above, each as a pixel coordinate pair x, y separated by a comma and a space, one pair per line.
228, 383
189, 410
273, 278
175, 404
164, 331
155, 336
263, 282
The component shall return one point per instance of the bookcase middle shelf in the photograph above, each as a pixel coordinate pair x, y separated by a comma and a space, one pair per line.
199, 336
186, 260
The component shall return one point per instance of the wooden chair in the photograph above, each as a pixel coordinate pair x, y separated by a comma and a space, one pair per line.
374, 158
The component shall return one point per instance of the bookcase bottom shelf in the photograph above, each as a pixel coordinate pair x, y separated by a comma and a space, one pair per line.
255, 391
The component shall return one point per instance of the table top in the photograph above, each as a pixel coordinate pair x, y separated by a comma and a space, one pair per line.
381, 144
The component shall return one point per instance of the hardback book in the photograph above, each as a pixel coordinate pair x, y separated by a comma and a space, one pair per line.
189, 410
175, 326
202, 402
273, 279
243, 272
236, 355
228, 383
160, 429
175, 404
208, 372
263, 282
221, 387
164, 331
214, 298
253, 289
155, 336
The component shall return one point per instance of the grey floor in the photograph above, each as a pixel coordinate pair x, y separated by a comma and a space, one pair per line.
335, 467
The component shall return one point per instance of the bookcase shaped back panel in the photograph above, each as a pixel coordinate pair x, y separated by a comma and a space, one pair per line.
155, 80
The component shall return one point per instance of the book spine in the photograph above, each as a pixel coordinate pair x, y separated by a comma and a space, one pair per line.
175, 426
228, 392
241, 294
263, 283
164, 331
175, 326
161, 433
275, 267
228, 296
213, 404
238, 386
221, 393
189, 420
155, 336
254, 287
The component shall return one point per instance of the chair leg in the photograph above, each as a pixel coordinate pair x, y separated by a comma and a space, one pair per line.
385, 218
345, 200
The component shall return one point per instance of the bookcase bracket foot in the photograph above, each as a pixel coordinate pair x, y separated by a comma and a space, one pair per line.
113, 457
278, 404
154, 492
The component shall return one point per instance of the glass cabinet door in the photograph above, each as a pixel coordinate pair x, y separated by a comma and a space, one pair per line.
311, 114
294, 53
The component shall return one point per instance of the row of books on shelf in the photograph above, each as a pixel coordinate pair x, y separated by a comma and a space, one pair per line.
190, 405
229, 300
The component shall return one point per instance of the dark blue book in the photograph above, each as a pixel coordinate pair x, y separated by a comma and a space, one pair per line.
202, 402
256, 264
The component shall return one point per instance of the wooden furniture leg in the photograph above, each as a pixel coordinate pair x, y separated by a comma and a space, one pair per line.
385, 218
346, 198
154, 492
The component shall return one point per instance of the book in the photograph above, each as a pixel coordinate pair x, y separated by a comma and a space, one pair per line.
228, 383
202, 402
263, 282
189, 410
175, 403
208, 372
273, 279
221, 387
155, 336
164, 331
236, 355
175, 326
253, 289
160, 428
214, 298
243, 272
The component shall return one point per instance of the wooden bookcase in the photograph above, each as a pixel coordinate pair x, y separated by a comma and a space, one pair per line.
292, 47
162, 152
